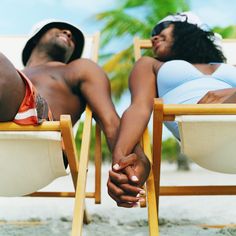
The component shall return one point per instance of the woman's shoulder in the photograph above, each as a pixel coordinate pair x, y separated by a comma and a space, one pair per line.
146, 59
149, 62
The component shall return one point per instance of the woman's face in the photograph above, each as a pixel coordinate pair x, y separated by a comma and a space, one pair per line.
162, 43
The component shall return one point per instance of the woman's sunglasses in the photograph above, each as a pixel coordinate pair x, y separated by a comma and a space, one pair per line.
159, 27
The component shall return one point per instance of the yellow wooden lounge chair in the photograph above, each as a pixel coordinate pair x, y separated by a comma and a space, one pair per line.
216, 155
31, 156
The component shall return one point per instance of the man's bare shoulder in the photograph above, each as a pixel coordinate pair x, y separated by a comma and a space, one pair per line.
83, 70
80, 67
81, 62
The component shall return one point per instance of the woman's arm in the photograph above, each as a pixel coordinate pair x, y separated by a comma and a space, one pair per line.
127, 154
220, 96
142, 84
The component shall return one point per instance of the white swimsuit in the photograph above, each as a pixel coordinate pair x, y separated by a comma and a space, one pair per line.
179, 82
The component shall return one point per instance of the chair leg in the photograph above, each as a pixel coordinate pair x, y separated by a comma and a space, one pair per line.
86, 218
150, 186
80, 188
98, 165
152, 207
157, 141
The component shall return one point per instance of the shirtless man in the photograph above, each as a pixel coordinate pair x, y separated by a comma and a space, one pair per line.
55, 78
59, 77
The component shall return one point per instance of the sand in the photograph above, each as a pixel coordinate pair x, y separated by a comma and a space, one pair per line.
179, 216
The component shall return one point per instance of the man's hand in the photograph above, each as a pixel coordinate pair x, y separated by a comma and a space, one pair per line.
126, 179
219, 96
122, 191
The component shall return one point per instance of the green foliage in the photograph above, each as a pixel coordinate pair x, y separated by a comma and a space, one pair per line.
131, 18
118, 74
228, 32
105, 151
170, 149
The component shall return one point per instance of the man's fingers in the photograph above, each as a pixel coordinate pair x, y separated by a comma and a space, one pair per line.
126, 205
119, 188
114, 189
121, 203
118, 177
114, 197
125, 161
132, 190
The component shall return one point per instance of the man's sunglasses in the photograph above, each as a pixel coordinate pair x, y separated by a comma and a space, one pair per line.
159, 27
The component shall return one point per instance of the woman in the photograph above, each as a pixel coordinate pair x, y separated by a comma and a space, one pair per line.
188, 68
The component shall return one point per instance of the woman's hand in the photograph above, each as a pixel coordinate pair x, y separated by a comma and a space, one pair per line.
219, 96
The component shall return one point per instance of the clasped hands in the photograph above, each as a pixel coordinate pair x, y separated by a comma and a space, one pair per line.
126, 179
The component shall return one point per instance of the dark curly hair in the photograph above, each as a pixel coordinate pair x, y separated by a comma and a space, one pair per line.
194, 45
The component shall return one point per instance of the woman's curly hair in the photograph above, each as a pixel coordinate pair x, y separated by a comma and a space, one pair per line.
194, 45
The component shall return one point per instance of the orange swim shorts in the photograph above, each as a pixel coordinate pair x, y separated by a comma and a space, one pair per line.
33, 109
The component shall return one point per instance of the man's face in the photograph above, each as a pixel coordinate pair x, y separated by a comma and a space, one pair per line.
59, 43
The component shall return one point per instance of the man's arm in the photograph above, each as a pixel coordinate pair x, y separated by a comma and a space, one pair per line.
95, 88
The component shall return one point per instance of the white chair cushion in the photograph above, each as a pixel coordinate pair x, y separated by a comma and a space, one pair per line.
210, 141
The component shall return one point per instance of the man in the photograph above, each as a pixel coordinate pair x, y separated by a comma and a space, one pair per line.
56, 79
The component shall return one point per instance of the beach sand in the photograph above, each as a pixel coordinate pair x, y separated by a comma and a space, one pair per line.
179, 216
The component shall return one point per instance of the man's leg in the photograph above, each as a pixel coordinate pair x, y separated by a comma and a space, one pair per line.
12, 90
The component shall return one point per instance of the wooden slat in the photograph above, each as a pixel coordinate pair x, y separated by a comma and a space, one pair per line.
217, 226
45, 126
98, 165
199, 109
151, 194
70, 147
197, 190
157, 141
95, 46
59, 194
79, 205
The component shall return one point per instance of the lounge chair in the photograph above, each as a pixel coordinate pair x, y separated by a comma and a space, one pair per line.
31, 156
208, 155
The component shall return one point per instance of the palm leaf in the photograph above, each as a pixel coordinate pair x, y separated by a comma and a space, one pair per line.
131, 18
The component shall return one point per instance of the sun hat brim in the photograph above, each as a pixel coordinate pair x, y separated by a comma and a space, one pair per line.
77, 34
188, 17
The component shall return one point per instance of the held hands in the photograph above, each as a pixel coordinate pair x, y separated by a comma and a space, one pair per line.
219, 96
126, 178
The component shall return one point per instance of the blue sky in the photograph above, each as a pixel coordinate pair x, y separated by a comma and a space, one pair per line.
17, 17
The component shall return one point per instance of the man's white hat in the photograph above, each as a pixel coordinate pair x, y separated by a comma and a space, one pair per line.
40, 28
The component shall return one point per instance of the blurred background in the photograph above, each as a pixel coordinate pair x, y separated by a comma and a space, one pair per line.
119, 22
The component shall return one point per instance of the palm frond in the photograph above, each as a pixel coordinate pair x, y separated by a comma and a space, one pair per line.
131, 18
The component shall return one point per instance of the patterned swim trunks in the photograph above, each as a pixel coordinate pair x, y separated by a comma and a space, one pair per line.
33, 109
